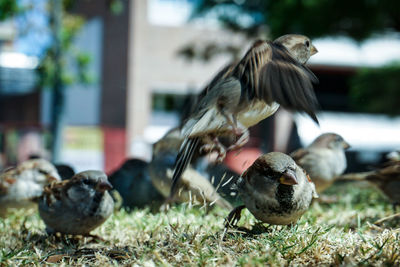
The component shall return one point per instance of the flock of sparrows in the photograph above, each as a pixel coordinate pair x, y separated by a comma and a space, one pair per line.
277, 188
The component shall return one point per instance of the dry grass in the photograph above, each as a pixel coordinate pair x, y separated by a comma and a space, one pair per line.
337, 234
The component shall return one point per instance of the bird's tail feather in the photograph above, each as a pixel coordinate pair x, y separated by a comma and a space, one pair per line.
183, 159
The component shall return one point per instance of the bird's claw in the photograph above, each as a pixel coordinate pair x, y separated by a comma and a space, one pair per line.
234, 216
214, 147
244, 138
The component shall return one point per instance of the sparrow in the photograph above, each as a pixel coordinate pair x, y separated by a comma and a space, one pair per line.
22, 185
193, 187
78, 205
242, 94
324, 159
386, 178
133, 183
275, 190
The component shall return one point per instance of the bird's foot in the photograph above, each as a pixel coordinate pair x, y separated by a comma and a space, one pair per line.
234, 216
215, 146
243, 139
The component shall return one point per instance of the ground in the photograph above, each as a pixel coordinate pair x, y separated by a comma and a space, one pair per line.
336, 234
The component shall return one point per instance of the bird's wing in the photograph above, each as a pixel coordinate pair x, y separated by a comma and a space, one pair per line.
54, 191
195, 182
183, 159
268, 72
391, 171
299, 154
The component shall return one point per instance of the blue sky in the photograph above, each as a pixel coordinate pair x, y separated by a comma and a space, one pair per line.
33, 33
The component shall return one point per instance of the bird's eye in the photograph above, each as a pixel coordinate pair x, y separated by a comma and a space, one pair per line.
43, 172
86, 181
307, 43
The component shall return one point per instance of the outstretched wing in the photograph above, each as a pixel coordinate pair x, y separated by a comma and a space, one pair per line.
268, 72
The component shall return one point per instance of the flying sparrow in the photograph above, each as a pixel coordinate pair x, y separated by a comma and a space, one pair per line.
20, 186
193, 187
133, 183
242, 94
275, 190
324, 159
78, 205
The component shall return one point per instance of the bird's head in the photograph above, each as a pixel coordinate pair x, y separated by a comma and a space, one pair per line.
299, 46
330, 140
91, 180
277, 167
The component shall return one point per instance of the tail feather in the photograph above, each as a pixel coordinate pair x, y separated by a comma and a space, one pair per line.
183, 159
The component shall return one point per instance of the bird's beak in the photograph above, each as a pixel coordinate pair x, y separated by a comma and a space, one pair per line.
103, 186
288, 178
52, 178
346, 145
313, 50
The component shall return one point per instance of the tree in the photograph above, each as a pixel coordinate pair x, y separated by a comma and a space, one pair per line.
54, 69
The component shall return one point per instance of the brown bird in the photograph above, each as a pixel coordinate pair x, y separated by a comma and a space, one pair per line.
78, 205
324, 159
269, 75
193, 187
275, 190
22, 185
386, 178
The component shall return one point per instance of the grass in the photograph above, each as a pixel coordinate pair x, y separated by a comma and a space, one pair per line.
337, 234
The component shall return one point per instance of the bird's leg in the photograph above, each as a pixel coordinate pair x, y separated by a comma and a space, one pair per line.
213, 144
243, 139
394, 206
232, 121
95, 237
234, 216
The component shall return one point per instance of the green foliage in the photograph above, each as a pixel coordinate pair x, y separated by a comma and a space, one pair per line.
377, 90
71, 58
358, 19
8, 8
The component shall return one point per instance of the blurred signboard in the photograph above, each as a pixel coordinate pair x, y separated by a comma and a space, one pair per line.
83, 148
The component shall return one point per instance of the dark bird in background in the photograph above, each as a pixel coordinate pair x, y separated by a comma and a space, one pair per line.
193, 187
222, 175
21, 186
386, 178
133, 183
269, 75
77, 206
324, 159
275, 190
65, 171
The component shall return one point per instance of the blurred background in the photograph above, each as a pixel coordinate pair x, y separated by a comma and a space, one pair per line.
92, 82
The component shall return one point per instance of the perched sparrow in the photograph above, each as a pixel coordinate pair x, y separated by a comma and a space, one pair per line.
324, 159
20, 186
76, 206
386, 178
133, 183
193, 187
242, 94
275, 190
